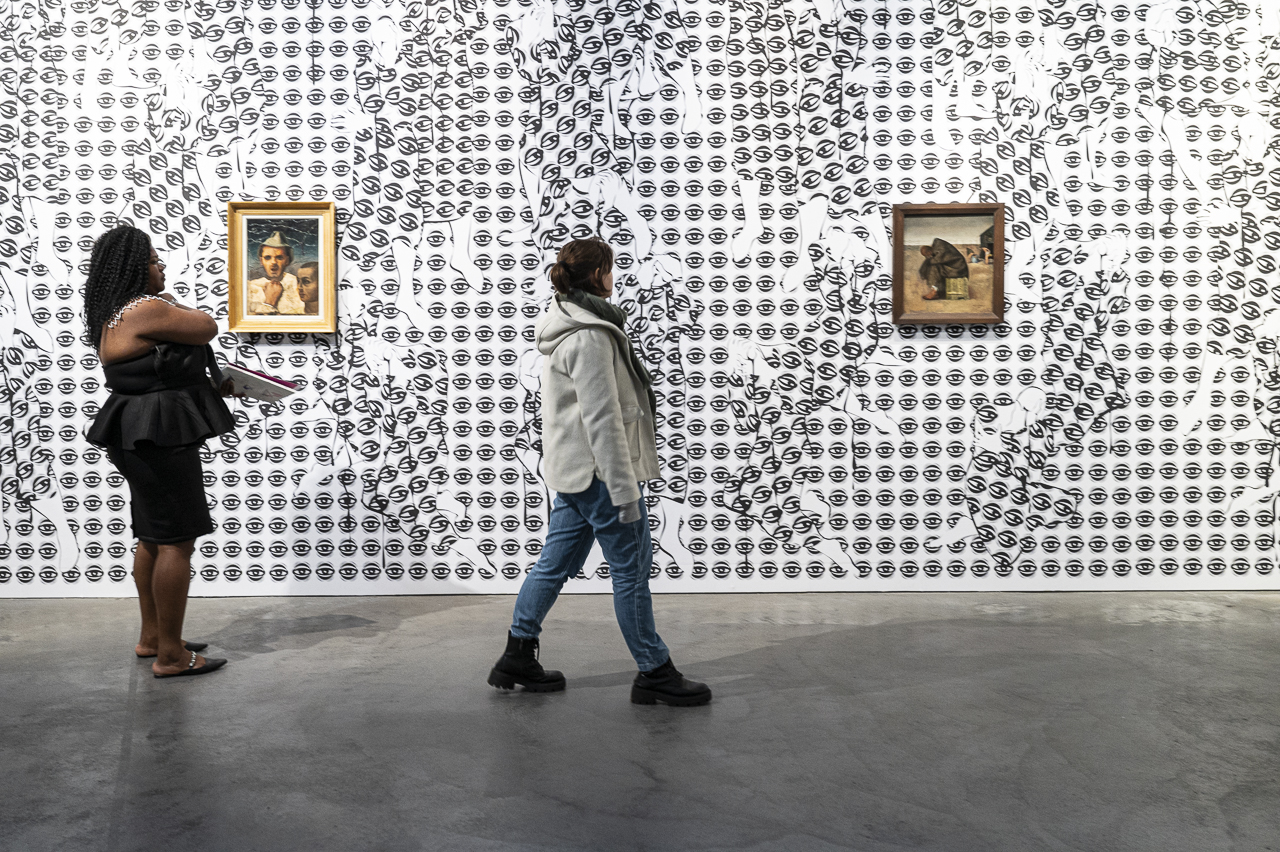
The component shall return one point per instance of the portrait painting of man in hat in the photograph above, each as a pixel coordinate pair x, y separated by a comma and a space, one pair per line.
282, 266
276, 291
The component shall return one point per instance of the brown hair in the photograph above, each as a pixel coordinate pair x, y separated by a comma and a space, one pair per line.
582, 265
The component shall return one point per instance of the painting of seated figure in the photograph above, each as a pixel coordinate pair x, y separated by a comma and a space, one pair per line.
948, 263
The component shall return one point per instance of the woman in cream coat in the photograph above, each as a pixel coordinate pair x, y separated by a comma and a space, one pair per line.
598, 446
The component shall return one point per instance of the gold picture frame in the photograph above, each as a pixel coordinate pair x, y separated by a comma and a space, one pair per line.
280, 254
948, 263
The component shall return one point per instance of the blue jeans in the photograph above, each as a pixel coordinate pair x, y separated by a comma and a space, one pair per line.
577, 520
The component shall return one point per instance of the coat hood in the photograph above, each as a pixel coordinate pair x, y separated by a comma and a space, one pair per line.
563, 319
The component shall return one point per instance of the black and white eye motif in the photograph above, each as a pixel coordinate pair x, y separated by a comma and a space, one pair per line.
742, 160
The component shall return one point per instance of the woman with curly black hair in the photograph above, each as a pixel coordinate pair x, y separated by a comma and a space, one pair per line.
165, 401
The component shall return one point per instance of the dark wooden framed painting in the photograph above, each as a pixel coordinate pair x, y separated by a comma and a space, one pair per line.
948, 263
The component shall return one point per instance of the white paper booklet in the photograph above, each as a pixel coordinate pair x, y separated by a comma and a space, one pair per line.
257, 385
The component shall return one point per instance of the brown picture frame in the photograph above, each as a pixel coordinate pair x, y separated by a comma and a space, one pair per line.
308, 230
912, 284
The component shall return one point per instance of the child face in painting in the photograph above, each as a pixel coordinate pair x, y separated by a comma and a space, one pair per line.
308, 285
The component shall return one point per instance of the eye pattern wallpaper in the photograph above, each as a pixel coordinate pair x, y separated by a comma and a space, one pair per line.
1117, 431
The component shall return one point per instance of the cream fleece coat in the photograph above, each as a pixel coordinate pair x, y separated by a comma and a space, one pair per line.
595, 411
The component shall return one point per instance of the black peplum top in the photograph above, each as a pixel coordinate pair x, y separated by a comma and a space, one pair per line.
166, 396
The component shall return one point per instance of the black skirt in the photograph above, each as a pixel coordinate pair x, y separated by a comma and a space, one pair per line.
166, 491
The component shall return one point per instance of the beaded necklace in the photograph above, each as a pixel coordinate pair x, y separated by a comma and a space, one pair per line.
119, 315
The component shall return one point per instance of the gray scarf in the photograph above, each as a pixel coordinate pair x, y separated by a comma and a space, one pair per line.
616, 315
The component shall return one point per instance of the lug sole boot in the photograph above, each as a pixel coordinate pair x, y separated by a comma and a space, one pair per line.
519, 666
665, 685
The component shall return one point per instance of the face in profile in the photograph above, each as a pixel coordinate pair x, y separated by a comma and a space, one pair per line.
274, 261
309, 282
155, 274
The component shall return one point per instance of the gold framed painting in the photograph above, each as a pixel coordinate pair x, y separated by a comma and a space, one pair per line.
282, 270
948, 263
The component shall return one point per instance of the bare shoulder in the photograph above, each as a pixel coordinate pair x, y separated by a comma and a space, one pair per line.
145, 310
159, 319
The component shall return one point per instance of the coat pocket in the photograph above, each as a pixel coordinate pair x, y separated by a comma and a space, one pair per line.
633, 439
631, 416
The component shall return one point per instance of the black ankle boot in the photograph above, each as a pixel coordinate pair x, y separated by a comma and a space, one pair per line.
519, 664
667, 685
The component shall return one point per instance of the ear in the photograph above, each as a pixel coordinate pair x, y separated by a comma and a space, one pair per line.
597, 282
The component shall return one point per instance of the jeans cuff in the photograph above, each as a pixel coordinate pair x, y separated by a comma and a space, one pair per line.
656, 665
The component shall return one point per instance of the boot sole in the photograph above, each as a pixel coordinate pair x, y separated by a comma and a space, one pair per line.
507, 682
649, 696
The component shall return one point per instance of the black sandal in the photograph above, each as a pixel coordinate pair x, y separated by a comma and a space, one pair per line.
191, 669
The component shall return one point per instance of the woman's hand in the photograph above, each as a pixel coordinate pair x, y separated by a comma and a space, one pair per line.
629, 513
228, 388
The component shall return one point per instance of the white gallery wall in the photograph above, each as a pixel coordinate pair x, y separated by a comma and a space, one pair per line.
1118, 431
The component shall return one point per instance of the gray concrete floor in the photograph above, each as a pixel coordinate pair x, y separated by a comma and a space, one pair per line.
865, 722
